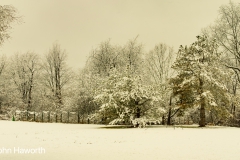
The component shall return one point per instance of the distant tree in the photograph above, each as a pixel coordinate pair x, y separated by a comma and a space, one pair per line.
105, 57
199, 80
23, 71
133, 57
8, 14
158, 63
9, 96
158, 71
56, 74
88, 83
2, 64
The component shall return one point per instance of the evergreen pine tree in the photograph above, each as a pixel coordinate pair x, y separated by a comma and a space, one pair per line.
200, 78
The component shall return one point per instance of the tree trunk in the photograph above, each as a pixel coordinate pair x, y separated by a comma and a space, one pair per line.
202, 115
30, 93
234, 116
211, 114
169, 116
138, 112
0, 107
169, 111
163, 120
202, 108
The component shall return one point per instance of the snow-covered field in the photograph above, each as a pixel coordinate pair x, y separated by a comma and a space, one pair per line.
92, 142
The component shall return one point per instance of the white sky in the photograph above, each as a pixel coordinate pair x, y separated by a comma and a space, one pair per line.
81, 25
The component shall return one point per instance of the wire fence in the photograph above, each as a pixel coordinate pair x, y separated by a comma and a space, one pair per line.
50, 117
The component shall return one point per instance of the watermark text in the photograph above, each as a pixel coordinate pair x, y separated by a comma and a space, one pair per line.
21, 150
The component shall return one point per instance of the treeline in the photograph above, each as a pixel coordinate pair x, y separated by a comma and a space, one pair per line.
124, 84
45, 83
30, 82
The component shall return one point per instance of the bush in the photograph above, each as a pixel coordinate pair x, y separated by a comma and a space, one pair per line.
139, 122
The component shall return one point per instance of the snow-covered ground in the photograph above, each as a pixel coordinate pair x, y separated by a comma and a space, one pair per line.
92, 142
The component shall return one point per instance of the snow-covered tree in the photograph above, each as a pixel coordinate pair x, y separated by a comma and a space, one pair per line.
2, 64
158, 62
9, 98
122, 98
23, 70
200, 78
157, 73
133, 56
56, 75
226, 31
107, 56
8, 14
83, 95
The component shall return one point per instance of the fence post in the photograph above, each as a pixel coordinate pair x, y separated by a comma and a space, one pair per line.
61, 118
42, 116
56, 117
68, 117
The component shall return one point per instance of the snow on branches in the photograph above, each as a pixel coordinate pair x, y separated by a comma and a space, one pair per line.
123, 98
200, 76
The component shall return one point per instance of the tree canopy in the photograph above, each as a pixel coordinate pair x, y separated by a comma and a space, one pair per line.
8, 14
123, 98
200, 77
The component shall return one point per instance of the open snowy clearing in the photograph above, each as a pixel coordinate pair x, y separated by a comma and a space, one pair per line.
90, 142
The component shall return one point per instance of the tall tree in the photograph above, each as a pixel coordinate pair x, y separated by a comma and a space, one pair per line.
133, 57
56, 74
158, 71
226, 31
23, 71
158, 63
199, 80
88, 83
107, 56
8, 14
103, 58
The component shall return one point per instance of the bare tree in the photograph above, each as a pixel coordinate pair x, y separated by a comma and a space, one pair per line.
23, 70
8, 14
2, 66
226, 31
56, 73
158, 63
107, 56
133, 56
158, 70
104, 58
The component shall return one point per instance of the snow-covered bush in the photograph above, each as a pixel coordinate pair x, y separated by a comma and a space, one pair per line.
122, 98
139, 122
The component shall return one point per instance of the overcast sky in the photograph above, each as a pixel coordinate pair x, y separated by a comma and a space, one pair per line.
81, 25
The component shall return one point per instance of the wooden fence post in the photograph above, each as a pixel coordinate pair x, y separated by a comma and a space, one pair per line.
42, 116
68, 117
